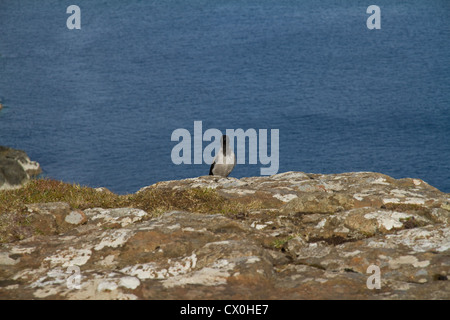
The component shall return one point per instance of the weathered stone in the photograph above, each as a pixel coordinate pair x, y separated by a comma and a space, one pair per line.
56, 209
54, 217
319, 203
311, 237
11, 174
76, 217
115, 217
440, 215
14, 227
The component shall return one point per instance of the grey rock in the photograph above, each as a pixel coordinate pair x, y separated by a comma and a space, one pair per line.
16, 168
312, 237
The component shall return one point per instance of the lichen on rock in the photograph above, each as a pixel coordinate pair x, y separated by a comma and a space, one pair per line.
16, 168
288, 236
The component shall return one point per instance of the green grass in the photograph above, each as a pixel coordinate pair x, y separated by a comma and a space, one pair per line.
279, 243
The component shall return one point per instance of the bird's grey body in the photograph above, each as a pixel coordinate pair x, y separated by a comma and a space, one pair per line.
224, 161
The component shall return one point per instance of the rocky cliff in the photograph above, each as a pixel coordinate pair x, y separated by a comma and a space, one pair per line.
16, 168
288, 236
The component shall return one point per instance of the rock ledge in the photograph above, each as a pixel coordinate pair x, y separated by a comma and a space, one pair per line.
16, 168
303, 236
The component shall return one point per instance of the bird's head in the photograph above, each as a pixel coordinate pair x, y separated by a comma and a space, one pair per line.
225, 140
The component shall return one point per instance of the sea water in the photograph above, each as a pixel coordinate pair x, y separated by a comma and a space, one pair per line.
97, 106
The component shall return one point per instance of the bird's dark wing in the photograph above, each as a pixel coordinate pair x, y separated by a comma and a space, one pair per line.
211, 168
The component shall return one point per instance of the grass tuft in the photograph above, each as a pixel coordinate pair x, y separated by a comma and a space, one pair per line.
48, 190
14, 222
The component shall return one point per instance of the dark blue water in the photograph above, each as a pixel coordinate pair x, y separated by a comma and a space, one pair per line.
97, 106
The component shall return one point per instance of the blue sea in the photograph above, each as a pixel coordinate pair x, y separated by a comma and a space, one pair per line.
97, 106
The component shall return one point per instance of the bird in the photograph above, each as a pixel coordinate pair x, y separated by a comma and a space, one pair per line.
225, 159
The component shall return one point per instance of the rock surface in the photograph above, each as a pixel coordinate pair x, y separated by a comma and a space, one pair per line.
16, 168
310, 236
